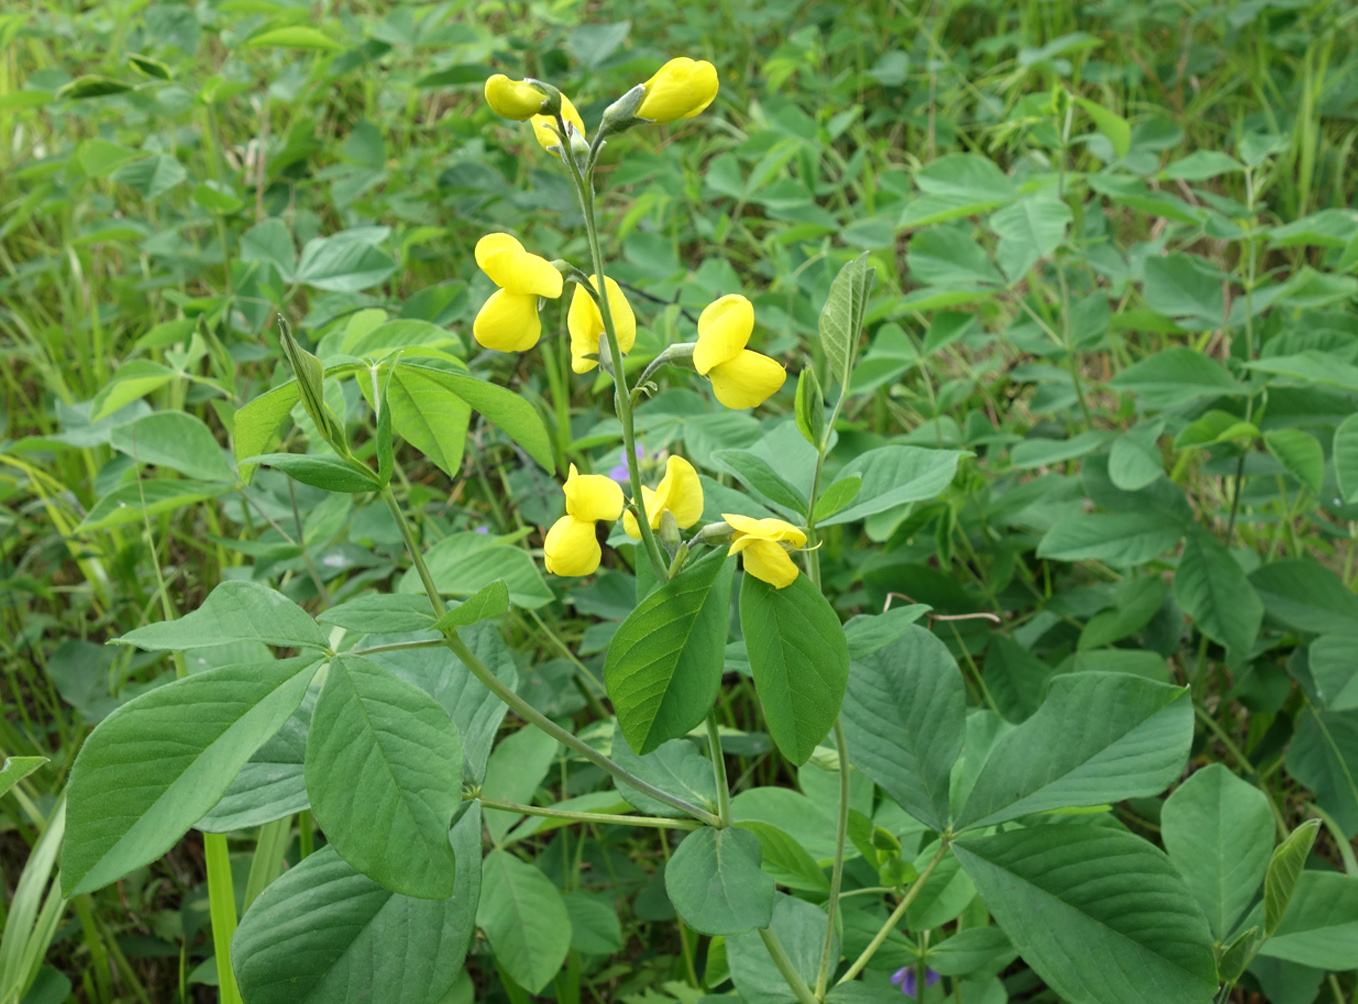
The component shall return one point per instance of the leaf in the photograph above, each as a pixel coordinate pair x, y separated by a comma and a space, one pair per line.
895, 475
1115, 935
1320, 927
381, 613
323, 933
16, 768
237, 610
715, 882
800, 929
1213, 589
1324, 757
1135, 460
756, 473
91, 85
1303, 595
904, 719
800, 661
867, 633
348, 261
133, 380
1029, 229
176, 440
1284, 872
1300, 453
294, 37
1335, 671
841, 319
426, 416
489, 601
133, 502
516, 768
664, 664
384, 773
270, 241
1098, 738
1174, 377
1184, 287
1218, 831
957, 185
810, 407
1120, 539
466, 563
1112, 125
154, 766
524, 918
837, 496
784, 859
256, 423
1346, 457
676, 767
594, 923
325, 471
153, 176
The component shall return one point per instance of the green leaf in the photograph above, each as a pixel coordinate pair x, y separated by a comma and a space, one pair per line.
1218, 831
325, 471
237, 610
867, 633
466, 563
1346, 457
516, 768
676, 767
16, 768
810, 407
1213, 589
1184, 287
715, 882
524, 918
153, 176
1176, 376
1135, 461
381, 613
1015, 677
256, 423
904, 719
1043, 452
1311, 367
1132, 740
756, 474
1284, 872
972, 949
800, 929
944, 895
800, 661
384, 773
1300, 453
1320, 927
841, 319
270, 242
1335, 671
1112, 125
348, 261
156, 765
427, 417
1303, 595
294, 37
132, 502
957, 185
217, 198
837, 496
133, 380
784, 860
1115, 935
594, 923
91, 85
1029, 229
272, 784
176, 440
325, 934
1122, 539
664, 664
895, 475
1324, 757
489, 601
1202, 165
1216, 427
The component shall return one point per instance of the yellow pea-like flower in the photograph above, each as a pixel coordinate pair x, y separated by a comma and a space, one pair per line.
762, 542
680, 492
571, 547
679, 90
586, 324
740, 378
544, 127
508, 321
513, 99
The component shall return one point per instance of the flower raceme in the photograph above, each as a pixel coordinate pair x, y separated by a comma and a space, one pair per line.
679, 492
740, 378
680, 89
762, 542
586, 324
509, 320
571, 547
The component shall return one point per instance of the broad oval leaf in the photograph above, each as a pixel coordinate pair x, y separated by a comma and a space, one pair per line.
174, 439
894, 475
675, 767
1122, 539
716, 884
237, 610
524, 918
384, 774
800, 928
1320, 927
1213, 589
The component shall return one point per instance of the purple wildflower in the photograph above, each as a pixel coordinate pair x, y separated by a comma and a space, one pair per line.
620, 473
908, 980
482, 529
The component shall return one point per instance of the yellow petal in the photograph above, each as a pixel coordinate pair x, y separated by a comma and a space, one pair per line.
491, 243
679, 90
748, 380
624, 320
768, 561
585, 325
724, 328
653, 510
522, 272
508, 322
544, 126
513, 99
765, 529
571, 547
592, 496
680, 492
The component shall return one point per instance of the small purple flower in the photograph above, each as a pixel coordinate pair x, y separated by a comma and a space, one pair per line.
908, 981
620, 473
482, 529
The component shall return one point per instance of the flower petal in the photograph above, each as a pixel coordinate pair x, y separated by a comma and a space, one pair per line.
523, 272
653, 507
724, 328
592, 496
491, 243
768, 561
544, 126
765, 529
513, 99
679, 90
624, 320
746, 381
585, 325
571, 547
508, 322
680, 492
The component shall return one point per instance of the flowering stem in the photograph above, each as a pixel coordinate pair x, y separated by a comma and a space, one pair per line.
658, 822
779, 955
521, 707
896, 914
837, 872
584, 190
719, 770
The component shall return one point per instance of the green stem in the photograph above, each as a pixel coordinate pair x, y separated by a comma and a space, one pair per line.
398, 646
521, 707
794, 979
837, 872
719, 770
896, 914
656, 822
222, 908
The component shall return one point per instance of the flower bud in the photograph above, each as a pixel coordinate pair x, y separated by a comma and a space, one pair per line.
516, 99
679, 90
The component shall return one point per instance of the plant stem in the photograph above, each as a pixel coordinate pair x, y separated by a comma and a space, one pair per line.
794, 979
837, 872
657, 822
222, 907
398, 646
521, 707
896, 914
719, 770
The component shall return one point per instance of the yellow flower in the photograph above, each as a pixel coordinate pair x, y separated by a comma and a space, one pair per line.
679, 491
509, 319
679, 90
586, 324
761, 541
740, 378
544, 127
513, 99
571, 547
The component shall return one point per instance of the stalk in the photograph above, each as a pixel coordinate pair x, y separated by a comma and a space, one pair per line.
656, 822
896, 915
719, 770
785, 966
837, 872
